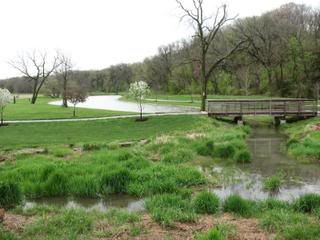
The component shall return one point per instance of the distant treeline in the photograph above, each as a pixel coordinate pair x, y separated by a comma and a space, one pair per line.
280, 57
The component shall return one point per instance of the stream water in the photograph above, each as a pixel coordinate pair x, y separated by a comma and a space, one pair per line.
269, 157
102, 205
267, 148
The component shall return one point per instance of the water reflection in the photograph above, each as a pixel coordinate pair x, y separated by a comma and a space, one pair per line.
103, 205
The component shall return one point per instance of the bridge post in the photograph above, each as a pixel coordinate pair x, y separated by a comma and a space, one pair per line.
238, 120
279, 120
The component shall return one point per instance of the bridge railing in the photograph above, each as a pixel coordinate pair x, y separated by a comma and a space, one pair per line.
274, 107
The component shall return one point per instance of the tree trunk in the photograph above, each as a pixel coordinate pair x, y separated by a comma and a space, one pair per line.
140, 105
74, 110
64, 94
204, 97
1, 120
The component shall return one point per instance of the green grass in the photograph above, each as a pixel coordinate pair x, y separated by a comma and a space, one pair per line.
304, 140
103, 131
238, 205
169, 208
10, 194
98, 173
219, 232
50, 223
272, 183
23, 110
290, 225
206, 202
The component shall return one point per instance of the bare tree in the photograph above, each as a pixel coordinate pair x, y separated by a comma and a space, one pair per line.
64, 70
208, 29
36, 68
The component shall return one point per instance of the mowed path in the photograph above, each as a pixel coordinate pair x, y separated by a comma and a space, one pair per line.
105, 118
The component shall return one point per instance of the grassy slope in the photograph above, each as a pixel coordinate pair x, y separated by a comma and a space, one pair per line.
304, 140
23, 110
16, 135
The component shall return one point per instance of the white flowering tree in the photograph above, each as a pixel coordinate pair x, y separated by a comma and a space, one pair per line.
5, 99
139, 90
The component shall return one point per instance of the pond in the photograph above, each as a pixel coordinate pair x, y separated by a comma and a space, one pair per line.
269, 157
113, 103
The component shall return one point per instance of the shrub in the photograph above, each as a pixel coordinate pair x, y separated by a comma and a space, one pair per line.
238, 205
242, 156
224, 150
115, 180
10, 194
272, 183
206, 202
307, 203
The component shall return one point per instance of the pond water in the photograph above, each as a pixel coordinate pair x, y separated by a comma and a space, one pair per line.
269, 157
113, 103
102, 205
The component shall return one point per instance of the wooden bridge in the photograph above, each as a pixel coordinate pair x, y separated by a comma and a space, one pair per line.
273, 107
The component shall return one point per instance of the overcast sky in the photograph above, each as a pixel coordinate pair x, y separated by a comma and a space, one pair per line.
100, 33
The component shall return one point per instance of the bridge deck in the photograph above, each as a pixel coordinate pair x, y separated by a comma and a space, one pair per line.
273, 107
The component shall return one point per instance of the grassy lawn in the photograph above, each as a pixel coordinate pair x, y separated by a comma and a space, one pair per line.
23, 110
16, 135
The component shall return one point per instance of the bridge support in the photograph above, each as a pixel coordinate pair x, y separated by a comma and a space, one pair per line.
238, 120
279, 120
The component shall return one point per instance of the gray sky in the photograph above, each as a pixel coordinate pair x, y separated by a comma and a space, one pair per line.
99, 33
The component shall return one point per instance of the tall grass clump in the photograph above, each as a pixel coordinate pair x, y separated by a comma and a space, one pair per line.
179, 155
307, 203
219, 232
169, 208
206, 202
115, 180
272, 183
242, 156
10, 194
225, 150
92, 146
238, 205
56, 184
204, 147
272, 204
